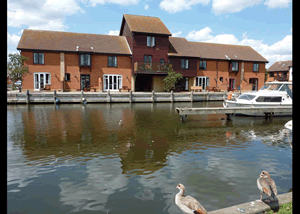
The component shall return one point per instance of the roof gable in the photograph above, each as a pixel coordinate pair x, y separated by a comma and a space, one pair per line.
181, 47
144, 24
280, 66
66, 41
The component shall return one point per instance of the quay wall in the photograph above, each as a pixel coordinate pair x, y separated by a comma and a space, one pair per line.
255, 207
112, 97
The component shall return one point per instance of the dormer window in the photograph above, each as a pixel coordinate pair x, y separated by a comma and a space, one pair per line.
85, 60
150, 41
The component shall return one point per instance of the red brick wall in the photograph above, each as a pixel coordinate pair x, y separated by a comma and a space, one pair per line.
52, 65
223, 71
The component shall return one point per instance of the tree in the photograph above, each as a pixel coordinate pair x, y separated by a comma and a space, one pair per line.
16, 69
172, 78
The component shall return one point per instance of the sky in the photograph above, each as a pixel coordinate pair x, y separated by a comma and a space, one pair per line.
265, 25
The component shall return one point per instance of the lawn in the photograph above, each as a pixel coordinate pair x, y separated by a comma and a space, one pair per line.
283, 209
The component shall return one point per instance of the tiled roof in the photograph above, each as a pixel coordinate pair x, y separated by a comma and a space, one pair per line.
66, 41
145, 24
226, 52
280, 66
181, 47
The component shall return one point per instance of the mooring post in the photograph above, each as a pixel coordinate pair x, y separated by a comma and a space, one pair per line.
54, 96
172, 96
27, 96
229, 117
108, 96
130, 96
207, 96
192, 96
152, 97
183, 118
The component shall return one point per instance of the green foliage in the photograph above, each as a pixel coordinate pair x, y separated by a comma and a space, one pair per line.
172, 78
16, 68
283, 209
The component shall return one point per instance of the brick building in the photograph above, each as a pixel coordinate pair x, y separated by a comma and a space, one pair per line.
280, 71
136, 59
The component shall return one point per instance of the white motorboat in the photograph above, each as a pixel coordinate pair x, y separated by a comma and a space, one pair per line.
289, 125
272, 94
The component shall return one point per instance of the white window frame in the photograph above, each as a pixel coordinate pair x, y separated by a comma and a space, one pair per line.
150, 41
202, 79
44, 74
111, 85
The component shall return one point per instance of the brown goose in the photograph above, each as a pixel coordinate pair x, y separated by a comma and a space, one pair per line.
188, 204
266, 185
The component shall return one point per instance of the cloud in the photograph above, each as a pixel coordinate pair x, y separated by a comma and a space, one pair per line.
201, 35
113, 32
176, 34
12, 40
174, 6
43, 14
94, 3
146, 6
277, 3
228, 6
281, 50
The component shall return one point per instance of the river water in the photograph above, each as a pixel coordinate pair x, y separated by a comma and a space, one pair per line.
72, 158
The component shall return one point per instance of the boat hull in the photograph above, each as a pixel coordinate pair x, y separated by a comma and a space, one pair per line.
229, 103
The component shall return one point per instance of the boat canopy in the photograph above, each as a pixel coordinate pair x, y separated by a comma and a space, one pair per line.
278, 86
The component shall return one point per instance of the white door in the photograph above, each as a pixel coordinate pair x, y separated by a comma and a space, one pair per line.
40, 80
112, 82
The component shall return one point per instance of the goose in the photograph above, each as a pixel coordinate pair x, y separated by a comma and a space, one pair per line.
266, 185
128, 145
121, 122
188, 204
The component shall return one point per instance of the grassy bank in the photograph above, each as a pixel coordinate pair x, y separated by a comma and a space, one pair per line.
286, 208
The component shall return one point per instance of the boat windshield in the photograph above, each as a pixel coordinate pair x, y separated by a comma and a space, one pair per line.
247, 97
271, 87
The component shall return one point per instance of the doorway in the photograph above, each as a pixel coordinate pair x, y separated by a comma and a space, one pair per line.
254, 82
84, 81
40, 80
231, 83
143, 83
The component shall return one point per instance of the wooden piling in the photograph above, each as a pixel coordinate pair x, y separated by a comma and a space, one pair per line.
172, 96
27, 96
152, 97
192, 96
54, 96
108, 96
130, 96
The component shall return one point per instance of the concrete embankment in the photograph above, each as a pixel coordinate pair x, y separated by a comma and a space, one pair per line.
254, 207
111, 97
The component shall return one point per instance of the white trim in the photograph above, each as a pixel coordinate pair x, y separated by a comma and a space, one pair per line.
127, 45
118, 86
44, 79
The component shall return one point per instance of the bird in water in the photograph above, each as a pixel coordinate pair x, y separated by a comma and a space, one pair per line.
121, 122
128, 145
188, 204
266, 185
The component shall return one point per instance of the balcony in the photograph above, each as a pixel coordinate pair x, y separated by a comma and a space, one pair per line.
281, 78
152, 67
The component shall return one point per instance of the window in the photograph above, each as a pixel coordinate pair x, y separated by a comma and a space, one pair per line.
247, 97
184, 64
112, 82
67, 77
202, 81
85, 60
147, 58
162, 61
268, 99
255, 67
38, 58
150, 41
221, 79
112, 61
234, 66
202, 65
271, 74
